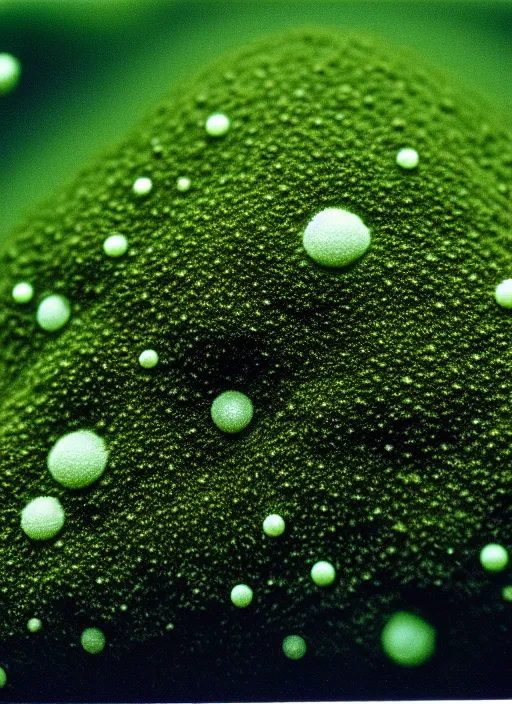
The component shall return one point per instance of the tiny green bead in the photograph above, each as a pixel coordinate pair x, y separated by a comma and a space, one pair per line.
42, 518
3, 677
493, 557
10, 71
34, 625
115, 245
294, 647
23, 292
506, 592
323, 573
78, 459
183, 184
273, 525
148, 359
232, 411
407, 158
142, 186
503, 293
336, 238
53, 312
407, 639
92, 640
217, 125
241, 595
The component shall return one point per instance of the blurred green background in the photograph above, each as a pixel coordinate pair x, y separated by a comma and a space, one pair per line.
92, 68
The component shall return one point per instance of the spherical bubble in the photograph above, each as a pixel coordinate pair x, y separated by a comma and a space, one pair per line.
273, 525
494, 557
23, 292
506, 592
142, 186
294, 647
503, 293
323, 573
53, 312
232, 411
407, 158
407, 639
92, 640
10, 71
241, 595
183, 184
217, 125
42, 518
115, 245
78, 459
34, 625
336, 238
3, 677
148, 359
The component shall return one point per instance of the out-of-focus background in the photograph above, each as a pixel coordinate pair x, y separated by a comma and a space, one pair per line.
92, 68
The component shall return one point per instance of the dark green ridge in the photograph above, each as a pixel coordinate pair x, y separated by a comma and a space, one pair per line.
382, 391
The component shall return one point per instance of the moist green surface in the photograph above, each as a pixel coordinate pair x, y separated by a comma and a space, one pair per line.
381, 392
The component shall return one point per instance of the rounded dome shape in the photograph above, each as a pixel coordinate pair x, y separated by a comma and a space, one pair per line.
232, 411
336, 238
42, 518
78, 459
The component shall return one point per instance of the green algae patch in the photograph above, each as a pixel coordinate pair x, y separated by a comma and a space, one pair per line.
381, 389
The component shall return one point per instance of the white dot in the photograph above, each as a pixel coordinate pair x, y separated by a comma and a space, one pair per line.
142, 186
93, 640
183, 184
323, 573
115, 245
78, 459
241, 595
294, 647
273, 525
503, 293
34, 625
407, 158
42, 518
53, 313
148, 359
494, 557
335, 237
23, 292
217, 125
10, 71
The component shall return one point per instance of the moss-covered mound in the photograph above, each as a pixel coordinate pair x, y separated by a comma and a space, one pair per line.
381, 392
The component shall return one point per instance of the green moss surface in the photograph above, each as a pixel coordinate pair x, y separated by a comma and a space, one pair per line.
381, 429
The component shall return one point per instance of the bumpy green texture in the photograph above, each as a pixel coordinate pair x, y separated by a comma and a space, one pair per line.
381, 391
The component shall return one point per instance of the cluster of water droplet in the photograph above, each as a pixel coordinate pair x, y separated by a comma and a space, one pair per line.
333, 238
